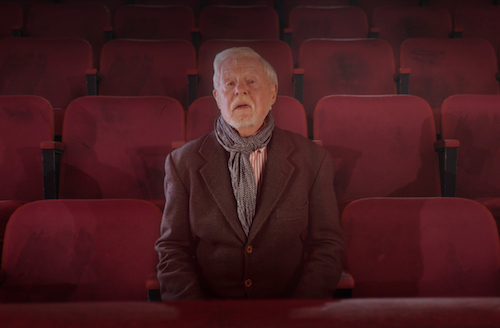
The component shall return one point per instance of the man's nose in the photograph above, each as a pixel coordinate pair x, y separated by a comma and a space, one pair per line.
241, 88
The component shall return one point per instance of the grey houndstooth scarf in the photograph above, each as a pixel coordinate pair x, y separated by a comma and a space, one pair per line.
242, 175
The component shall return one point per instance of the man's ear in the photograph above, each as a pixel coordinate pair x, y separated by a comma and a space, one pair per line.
275, 94
214, 92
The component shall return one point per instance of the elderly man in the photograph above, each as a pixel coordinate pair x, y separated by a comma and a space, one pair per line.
250, 209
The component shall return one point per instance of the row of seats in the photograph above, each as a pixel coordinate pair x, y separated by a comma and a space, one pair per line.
60, 70
115, 147
391, 23
102, 250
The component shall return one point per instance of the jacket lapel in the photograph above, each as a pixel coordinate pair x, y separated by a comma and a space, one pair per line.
277, 172
215, 173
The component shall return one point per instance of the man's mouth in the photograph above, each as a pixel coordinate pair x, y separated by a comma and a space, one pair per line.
241, 106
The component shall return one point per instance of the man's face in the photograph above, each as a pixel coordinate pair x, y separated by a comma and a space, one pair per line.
245, 94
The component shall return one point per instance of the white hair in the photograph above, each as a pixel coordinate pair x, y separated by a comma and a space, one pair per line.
244, 52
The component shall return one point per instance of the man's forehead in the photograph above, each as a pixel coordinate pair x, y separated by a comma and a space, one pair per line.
245, 63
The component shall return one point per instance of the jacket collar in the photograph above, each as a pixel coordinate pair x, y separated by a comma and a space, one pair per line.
277, 172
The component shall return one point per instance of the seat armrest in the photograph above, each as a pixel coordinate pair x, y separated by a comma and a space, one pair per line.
153, 288
403, 81
51, 159
457, 32
92, 81
192, 85
344, 286
108, 33
298, 82
448, 157
374, 33
287, 35
16, 30
196, 38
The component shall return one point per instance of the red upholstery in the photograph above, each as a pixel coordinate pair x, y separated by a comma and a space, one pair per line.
115, 147
49, 20
381, 145
287, 111
7, 207
359, 66
288, 5
269, 3
426, 247
154, 22
444, 67
51, 68
326, 22
193, 4
276, 52
396, 24
80, 250
471, 312
475, 121
11, 14
147, 68
479, 21
233, 22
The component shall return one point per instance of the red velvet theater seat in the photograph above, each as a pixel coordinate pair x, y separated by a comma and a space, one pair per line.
288, 5
147, 68
474, 120
115, 147
396, 24
276, 52
382, 146
444, 67
355, 66
80, 250
308, 22
421, 247
236, 22
480, 22
88, 22
53, 68
369, 5
150, 22
111, 5
287, 111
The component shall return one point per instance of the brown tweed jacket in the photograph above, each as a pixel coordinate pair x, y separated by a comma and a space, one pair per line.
295, 244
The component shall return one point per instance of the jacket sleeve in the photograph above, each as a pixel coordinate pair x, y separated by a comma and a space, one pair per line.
176, 268
324, 243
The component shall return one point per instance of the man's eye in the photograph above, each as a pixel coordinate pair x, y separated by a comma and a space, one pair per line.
251, 82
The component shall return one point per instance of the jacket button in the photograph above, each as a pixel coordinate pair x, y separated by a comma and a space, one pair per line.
248, 282
249, 249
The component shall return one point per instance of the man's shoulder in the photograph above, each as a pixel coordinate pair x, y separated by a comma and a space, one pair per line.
192, 149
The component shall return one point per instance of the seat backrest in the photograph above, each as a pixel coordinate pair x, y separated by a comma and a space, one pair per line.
427, 247
397, 24
288, 6
454, 4
276, 52
356, 66
369, 5
51, 20
307, 22
147, 68
480, 22
80, 250
474, 120
444, 67
115, 147
288, 113
111, 5
381, 145
239, 22
50, 68
11, 14
154, 22
25, 122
